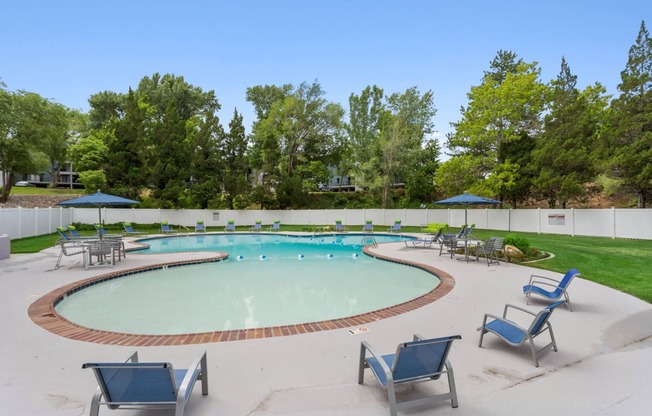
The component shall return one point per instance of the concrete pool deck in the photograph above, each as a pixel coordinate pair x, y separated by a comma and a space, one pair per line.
603, 366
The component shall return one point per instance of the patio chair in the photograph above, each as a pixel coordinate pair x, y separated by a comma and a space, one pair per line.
396, 228
129, 230
420, 359
276, 226
70, 248
424, 242
499, 246
368, 227
257, 226
199, 227
230, 226
559, 287
450, 242
488, 250
515, 335
339, 227
105, 251
165, 227
154, 385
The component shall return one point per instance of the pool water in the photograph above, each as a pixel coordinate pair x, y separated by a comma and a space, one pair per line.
267, 281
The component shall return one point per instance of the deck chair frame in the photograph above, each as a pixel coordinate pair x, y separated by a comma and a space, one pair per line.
391, 376
559, 287
198, 371
506, 329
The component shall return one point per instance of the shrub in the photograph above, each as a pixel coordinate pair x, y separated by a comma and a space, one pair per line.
519, 242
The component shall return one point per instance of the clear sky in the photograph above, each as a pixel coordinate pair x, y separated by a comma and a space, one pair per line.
69, 50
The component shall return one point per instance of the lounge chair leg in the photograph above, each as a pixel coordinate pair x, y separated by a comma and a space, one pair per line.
361, 364
391, 393
534, 353
451, 384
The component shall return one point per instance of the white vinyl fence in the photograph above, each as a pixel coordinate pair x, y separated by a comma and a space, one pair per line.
614, 222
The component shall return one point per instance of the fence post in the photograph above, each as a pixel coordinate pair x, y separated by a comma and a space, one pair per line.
539, 225
573, 219
613, 222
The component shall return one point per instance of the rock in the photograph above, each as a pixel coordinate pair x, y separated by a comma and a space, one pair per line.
512, 251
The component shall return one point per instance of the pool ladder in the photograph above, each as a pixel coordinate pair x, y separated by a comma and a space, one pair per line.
369, 241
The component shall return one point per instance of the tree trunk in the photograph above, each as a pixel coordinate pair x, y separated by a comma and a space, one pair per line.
641, 200
6, 188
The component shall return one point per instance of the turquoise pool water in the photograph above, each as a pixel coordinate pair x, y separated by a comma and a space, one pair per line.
269, 280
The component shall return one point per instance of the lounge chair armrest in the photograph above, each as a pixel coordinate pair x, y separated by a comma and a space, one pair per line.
532, 277
364, 347
189, 379
538, 282
501, 319
417, 337
507, 306
133, 357
484, 320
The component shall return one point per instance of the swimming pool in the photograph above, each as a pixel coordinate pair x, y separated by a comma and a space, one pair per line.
269, 280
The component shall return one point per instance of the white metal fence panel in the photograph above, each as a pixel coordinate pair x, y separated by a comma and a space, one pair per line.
593, 222
619, 223
526, 220
633, 223
31, 222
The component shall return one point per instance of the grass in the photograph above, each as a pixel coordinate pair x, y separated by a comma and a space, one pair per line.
617, 263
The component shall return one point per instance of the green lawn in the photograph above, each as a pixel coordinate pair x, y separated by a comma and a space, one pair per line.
617, 263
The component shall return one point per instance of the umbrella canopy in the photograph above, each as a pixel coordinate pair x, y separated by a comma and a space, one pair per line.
466, 199
99, 200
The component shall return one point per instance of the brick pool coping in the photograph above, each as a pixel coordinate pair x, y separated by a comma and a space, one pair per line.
42, 312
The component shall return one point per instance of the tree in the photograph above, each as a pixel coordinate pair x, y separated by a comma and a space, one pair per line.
57, 124
506, 108
236, 166
298, 129
387, 136
563, 157
630, 135
21, 132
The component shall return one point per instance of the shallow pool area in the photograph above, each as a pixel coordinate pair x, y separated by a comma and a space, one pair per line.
267, 281
251, 293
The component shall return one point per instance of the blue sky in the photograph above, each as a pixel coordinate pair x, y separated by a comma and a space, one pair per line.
70, 50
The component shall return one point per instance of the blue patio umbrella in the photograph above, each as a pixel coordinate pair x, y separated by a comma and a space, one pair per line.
98, 200
467, 199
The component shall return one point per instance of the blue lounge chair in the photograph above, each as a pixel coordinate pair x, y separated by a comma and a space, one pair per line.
559, 287
129, 230
73, 232
276, 226
424, 242
64, 233
258, 226
100, 229
396, 228
419, 359
165, 227
199, 227
515, 335
339, 227
230, 226
146, 385
368, 227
